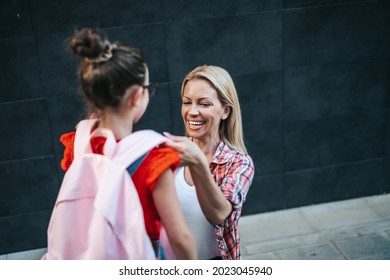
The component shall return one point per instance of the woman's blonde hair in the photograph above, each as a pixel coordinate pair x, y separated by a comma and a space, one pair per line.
230, 129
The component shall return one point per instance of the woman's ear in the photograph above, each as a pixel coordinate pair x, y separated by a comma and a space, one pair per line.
226, 113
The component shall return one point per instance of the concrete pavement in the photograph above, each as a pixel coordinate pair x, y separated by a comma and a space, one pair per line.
345, 230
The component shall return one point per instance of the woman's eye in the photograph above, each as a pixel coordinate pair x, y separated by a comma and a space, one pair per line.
206, 104
186, 102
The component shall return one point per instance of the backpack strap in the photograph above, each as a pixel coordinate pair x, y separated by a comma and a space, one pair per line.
82, 144
136, 145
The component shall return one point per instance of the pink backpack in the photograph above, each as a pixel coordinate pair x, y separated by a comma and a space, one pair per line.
98, 214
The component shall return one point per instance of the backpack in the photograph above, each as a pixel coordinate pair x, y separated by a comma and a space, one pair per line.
98, 214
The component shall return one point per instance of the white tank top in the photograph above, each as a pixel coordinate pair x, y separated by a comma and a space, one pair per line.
202, 231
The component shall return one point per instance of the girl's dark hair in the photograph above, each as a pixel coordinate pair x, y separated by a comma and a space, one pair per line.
106, 70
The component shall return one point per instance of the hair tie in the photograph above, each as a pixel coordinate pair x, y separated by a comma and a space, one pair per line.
105, 55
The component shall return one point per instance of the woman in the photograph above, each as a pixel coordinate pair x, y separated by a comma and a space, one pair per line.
115, 82
217, 171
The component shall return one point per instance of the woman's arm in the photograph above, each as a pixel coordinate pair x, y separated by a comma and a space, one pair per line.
214, 204
168, 207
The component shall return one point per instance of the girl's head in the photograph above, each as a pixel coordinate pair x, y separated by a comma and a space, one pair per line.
230, 127
108, 71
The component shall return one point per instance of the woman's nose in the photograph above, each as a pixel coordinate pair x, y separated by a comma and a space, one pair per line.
194, 110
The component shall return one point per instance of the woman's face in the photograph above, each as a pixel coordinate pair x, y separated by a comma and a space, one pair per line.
201, 110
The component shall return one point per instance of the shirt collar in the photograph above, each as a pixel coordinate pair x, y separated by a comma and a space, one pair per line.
222, 152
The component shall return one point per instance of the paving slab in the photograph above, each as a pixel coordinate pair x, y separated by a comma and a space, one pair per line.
27, 255
273, 225
380, 204
368, 247
311, 252
378, 227
328, 235
336, 215
260, 256
271, 245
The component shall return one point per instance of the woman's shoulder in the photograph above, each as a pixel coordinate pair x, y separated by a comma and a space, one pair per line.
226, 153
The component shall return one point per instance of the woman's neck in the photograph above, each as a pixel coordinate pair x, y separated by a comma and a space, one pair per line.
209, 146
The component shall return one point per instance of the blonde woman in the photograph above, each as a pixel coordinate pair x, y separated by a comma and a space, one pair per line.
217, 171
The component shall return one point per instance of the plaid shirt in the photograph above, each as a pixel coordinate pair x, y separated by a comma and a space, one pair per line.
233, 171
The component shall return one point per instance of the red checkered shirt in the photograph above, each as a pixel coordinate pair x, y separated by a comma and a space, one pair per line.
233, 171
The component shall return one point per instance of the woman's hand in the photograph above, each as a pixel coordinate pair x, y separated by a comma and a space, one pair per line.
189, 152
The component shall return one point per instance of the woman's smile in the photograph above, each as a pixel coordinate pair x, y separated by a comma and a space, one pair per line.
195, 125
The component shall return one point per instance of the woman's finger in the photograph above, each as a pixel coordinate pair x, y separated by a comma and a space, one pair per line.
174, 137
173, 145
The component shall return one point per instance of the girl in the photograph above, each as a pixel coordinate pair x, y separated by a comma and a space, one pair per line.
115, 82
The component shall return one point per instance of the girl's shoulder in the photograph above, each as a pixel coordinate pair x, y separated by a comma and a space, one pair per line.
155, 163
161, 158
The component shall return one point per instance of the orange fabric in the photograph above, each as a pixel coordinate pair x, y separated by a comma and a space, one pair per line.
67, 140
144, 178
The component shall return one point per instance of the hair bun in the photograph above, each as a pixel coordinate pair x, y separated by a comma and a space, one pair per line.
88, 43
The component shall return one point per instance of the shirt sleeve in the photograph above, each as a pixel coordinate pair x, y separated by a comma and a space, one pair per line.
67, 140
237, 180
156, 162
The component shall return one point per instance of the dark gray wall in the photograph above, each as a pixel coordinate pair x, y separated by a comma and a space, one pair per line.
312, 77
